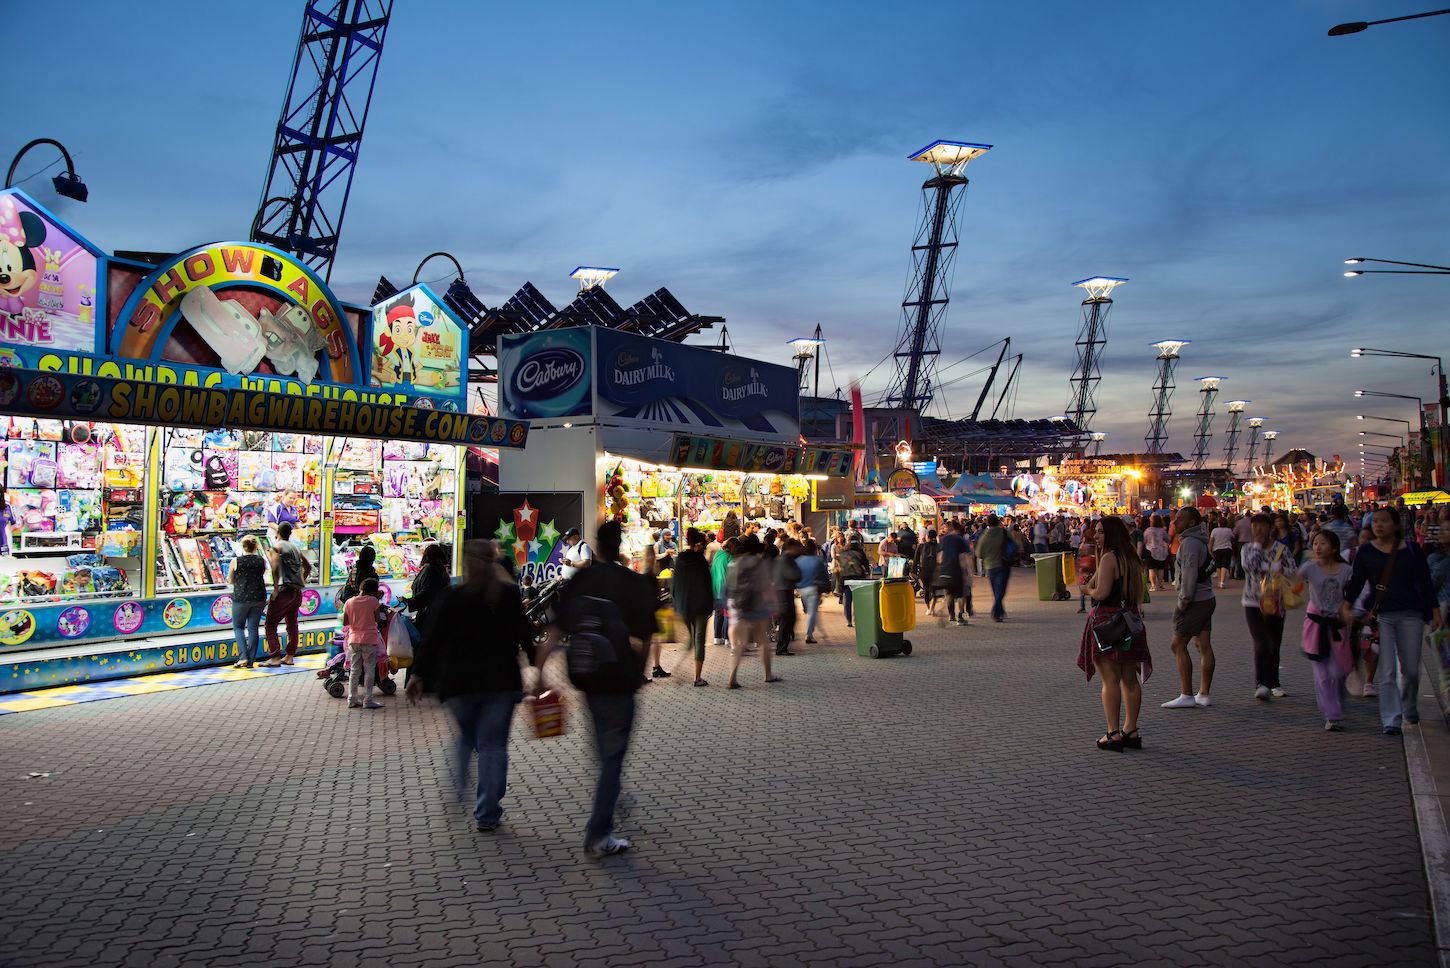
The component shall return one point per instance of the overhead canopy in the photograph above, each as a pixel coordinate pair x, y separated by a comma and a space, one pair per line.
972, 489
1435, 496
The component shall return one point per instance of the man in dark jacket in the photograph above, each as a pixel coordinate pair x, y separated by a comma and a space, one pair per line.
692, 594
852, 566
469, 657
611, 704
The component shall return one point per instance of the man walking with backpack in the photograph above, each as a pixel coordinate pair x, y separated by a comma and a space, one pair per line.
1193, 618
608, 612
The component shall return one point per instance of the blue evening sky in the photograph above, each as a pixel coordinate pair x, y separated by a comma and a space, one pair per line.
752, 157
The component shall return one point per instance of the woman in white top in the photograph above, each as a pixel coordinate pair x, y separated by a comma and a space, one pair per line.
1221, 546
1325, 638
1155, 544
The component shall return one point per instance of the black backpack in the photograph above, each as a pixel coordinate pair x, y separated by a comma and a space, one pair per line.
598, 643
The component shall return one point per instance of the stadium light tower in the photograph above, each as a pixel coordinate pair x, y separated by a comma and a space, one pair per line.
1098, 437
1208, 392
1092, 337
1255, 425
1236, 416
590, 276
1269, 437
932, 256
1168, 353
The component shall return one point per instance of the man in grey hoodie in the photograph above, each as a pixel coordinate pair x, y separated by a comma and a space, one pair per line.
1193, 618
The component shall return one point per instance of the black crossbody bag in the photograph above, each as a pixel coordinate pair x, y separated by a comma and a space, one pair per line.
1122, 629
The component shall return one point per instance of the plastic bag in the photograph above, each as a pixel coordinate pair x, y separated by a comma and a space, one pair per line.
400, 643
1271, 594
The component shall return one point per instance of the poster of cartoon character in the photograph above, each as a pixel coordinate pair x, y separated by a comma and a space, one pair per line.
47, 281
417, 345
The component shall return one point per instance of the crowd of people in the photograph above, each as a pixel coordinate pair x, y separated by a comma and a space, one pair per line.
1372, 579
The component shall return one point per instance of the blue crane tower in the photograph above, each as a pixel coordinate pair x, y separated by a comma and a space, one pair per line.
320, 131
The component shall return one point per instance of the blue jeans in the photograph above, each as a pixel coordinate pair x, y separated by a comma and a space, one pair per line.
997, 578
246, 620
846, 601
722, 621
483, 720
613, 718
1400, 635
811, 602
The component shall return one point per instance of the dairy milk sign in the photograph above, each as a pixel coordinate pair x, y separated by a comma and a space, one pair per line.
544, 375
656, 383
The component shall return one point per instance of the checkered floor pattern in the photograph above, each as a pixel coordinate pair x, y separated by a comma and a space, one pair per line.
24, 702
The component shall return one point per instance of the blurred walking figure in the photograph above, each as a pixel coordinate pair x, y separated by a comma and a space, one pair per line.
613, 609
693, 597
469, 658
750, 589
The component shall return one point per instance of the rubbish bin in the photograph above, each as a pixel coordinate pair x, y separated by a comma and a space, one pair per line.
871, 639
1050, 584
898, 605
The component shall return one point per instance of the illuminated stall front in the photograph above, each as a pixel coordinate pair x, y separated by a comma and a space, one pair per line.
153, 416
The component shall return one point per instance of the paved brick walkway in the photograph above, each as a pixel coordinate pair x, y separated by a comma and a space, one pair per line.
947, 808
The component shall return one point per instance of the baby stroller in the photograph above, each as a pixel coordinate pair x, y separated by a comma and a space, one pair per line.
338, 670
537, 609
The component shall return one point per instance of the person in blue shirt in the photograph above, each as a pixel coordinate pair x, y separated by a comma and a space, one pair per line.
813, 569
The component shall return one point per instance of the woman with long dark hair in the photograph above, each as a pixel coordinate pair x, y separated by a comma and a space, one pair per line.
1116, 586
1402, 599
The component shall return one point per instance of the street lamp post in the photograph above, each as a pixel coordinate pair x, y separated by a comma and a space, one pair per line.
1442, 456
1269, 437
1427, 455
1421, 268
1355, 26
67, 184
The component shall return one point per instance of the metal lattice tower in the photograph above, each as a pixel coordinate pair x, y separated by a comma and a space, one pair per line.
1208, 391
320, 131
1269, 437
929, 289
1168, 350
1255, 423
1092, 336
1235, 419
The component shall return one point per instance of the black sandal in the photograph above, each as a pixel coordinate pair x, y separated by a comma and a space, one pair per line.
733, 685
701, 682
1108, 743
1133, 740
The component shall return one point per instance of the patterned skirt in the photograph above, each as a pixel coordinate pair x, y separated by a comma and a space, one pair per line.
1088, 649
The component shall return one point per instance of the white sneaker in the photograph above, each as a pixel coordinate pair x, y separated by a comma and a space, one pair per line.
610, 846
1277, 693
1184, 701
1370, 690
372, 704
1202, 701
1262, 693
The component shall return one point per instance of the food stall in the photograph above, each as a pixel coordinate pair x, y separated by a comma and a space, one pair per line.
657, 435
152, 416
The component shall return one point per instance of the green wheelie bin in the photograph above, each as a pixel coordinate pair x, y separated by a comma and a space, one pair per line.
1050, 584
871, 639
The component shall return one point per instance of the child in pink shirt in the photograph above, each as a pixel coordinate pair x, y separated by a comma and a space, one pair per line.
360, 626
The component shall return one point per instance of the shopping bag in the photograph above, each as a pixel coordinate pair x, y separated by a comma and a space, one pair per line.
548, 714
400, 643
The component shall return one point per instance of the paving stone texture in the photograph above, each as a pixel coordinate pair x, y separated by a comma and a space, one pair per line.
947, 808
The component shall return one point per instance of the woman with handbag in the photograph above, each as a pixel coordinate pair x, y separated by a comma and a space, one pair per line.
1267, 566
1403, 600
1114, 639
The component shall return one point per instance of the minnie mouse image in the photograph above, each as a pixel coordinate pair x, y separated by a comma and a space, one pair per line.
19, 233
397, 341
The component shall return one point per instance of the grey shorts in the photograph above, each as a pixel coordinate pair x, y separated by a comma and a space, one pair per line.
1195, 618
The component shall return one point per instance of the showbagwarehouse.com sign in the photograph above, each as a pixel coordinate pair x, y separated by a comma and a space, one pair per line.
62, 396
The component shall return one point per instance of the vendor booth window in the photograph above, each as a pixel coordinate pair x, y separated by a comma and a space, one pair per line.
398, 496
72, 504
220, 485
